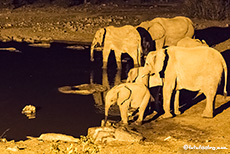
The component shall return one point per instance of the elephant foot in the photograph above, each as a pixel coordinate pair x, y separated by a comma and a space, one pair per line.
138, 123
177, 112
122, 123
166, 115
207, 114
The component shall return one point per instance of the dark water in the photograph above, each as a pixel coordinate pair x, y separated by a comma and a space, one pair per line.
34, 76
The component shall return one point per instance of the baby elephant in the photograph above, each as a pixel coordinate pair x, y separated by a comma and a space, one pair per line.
127, 95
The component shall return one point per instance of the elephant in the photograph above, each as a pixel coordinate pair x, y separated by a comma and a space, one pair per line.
125, 39
128, 95
168, 31
154, 83
195, 69
138, 75
189, 42
146, 42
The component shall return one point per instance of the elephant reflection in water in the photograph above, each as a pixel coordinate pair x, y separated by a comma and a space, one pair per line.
108, 79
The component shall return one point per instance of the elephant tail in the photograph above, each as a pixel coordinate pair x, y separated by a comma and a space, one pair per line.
139, 53
225, 77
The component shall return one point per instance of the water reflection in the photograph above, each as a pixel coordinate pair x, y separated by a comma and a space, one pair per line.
34, 76
107, 78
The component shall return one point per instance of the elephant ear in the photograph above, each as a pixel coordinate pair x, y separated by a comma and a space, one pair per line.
132, 75
100, 36
155, 61
150, 61
98, 41
159, 60
123, 94
156, 31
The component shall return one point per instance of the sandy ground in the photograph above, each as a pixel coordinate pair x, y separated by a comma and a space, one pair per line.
35, 24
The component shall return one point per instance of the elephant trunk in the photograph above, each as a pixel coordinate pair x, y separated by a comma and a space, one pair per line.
107, 106
91, 50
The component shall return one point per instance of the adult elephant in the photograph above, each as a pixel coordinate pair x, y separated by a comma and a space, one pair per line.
168, 31
189, 42
125, 39
196, 69
128, 95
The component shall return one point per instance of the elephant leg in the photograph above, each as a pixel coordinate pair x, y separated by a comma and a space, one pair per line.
105, 81
117, 79
155, 92
160, 43
105, 54
124, 112
136, 61
167, 93
208, 111
142, 108
118, 59
176, 103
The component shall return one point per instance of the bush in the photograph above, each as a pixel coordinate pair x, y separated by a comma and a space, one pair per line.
208, 9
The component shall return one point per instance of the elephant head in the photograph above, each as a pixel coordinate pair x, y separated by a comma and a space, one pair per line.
155, 61
118, 94
156, 30
98, 41
138, 75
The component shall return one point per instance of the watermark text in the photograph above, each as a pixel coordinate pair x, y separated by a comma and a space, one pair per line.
200, 147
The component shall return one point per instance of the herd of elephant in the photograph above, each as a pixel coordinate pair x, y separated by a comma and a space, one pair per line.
176, 61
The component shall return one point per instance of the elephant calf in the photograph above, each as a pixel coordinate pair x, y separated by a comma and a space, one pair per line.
153, 82
127, 95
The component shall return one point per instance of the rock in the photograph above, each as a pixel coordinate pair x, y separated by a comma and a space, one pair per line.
83, 89
123, 134
109, 134
10, 49
14, 149
102, 134
57, 137
76, 47
42, 45
29, 111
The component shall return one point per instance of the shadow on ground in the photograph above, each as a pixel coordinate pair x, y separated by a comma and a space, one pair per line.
213, 35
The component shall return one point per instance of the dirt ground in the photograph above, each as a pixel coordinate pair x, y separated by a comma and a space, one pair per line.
187, 133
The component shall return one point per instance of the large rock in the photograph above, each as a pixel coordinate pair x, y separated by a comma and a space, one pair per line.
110, 133
83, 89
56, 137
